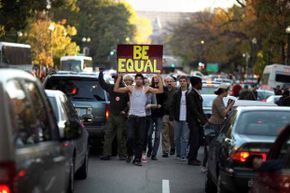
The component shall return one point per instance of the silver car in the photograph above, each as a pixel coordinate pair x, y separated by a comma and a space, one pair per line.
65, 113
33, 157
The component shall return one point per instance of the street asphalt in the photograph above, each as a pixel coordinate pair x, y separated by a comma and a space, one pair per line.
167, 175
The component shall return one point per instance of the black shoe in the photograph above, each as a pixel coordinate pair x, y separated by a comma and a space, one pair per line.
137, 163
129, 159
172, 151
165, 155
154, 158
194, 163
105, 157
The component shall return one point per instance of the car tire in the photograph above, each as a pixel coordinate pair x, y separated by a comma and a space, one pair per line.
70, 187
82, 172
220, 187
210, 187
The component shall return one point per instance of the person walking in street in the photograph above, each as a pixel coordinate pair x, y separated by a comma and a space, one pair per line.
247, 94
157, 115
150, 104
168, 141
116, 126
136, 132
284, 99
215, 122
179, 113
196, 120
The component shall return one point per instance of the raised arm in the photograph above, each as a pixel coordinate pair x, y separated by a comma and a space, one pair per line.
160, 87
117, 86
107, 87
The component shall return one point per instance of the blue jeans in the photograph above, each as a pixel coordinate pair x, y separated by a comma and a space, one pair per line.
181, 135
157, 126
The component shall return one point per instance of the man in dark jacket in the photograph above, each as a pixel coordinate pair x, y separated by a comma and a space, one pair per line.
196, 119
116, 122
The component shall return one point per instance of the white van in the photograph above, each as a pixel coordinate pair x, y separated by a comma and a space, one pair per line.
76, 63
274, 75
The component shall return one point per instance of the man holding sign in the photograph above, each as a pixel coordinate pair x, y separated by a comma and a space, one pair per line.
136, 132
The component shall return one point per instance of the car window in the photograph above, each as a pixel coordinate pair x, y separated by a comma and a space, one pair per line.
23, 119
264, 123
284, 154
77, 88
40, 110
53, 103
229, 123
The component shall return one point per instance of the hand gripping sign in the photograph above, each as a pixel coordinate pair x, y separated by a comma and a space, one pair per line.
139, 58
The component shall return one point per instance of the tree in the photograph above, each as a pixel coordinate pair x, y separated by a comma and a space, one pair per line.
15, 14
46, 43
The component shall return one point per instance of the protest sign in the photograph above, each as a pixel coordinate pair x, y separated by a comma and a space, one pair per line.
139, 58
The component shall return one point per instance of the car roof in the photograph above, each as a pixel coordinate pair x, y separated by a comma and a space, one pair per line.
245, 103
54, 93
9, 73
262, 108
75, 74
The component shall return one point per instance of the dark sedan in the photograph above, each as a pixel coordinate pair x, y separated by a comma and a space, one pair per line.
248, 131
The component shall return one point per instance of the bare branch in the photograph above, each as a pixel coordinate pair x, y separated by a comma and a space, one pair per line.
242, 4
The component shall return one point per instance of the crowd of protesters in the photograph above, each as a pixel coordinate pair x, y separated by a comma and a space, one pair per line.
145, 114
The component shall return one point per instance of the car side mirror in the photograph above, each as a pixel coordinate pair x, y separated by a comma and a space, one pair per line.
87, 118
72, 130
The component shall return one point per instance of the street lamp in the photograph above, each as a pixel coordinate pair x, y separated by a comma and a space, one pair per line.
288, 50
86, 49
247, 58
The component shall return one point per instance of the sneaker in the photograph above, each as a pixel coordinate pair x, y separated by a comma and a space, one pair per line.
154, 158
105, 157
165, 155
144, 158
203, 169
129, 159
182, 158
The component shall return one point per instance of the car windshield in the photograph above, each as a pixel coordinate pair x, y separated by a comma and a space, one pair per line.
264, 123
71, 65
53, 103
208, 100
77, 88
208, 90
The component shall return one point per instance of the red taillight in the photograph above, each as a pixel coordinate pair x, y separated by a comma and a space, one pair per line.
4, 189
107, 112
7, 176
244, 155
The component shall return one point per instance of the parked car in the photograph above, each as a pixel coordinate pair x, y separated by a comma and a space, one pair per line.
65, 114
33, 157
273, 99
276, 179
263, 95
89, 99
248, 131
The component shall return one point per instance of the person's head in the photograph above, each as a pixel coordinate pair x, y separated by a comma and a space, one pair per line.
139, 80
246, 87
169, 82
285, 93
146, 81
254, 87
183, 82
128, 80
222, 90
155, 81
196, 82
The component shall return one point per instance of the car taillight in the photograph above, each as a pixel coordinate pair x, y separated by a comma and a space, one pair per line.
7, 176
107, 112
242, 156
4, 189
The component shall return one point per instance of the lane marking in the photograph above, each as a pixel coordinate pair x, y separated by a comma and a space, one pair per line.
165, 186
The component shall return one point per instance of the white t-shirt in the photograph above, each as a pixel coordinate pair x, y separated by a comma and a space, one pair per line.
182, 115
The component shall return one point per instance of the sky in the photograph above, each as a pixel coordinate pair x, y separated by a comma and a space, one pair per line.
178, 5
